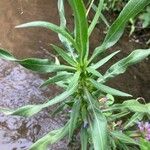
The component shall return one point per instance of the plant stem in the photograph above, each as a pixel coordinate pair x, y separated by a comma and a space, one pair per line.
89, 8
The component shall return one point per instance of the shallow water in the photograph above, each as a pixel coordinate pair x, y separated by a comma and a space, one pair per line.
19, 86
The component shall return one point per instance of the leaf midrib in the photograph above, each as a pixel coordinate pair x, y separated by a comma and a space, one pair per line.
101, 139
80, 31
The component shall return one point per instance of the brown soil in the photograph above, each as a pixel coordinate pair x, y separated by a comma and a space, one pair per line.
19, 87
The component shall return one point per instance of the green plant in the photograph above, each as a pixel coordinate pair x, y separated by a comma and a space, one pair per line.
116, 6
145, 17
101, 122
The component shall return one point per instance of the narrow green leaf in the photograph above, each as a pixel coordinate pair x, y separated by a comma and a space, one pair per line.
89, 4
101, 16
144, 144
5, 55
63, 39
121, 66
56, 78
113, 144
64, 83
99, 132
94, 72
50, 26
30, 110
108, 90
124, 146
118, 115
25, 111
50, 138
59, 109
84, 114
132, 8
84, 139
123, 138
36, 64
62, 13
70, 90
96, 17
135, 106
104, 60
74, 80
98, 126
64, 55
74, 117
44, 68
133, 120
81, 27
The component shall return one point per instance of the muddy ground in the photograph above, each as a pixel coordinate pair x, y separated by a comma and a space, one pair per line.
19, 86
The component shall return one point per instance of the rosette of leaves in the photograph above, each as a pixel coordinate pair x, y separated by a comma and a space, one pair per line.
94, 113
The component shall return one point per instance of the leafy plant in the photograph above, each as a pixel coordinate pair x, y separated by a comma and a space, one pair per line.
100, 121
145, 145
146, 17
116, 6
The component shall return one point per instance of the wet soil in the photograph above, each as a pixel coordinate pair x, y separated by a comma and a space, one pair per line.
19, 86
